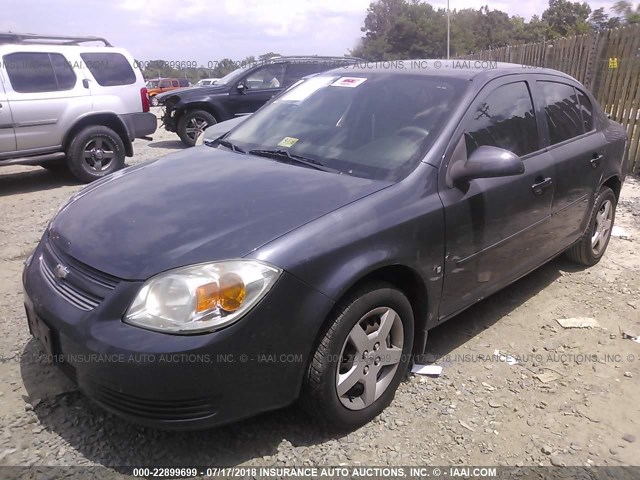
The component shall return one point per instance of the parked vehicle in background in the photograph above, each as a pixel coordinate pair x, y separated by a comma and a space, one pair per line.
320, 240
245, 90
205, 82
162, 85
63, 103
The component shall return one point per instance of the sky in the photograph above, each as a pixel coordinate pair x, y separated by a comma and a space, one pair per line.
206, 31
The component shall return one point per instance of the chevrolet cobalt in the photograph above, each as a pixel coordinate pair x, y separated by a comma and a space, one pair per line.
306, 253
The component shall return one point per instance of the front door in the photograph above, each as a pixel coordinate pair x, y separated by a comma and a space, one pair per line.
495, 228
42, 87
258, 87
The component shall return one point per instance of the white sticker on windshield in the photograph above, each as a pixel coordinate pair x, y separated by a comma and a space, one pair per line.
350, 82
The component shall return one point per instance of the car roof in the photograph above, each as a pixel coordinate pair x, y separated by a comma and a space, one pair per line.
310, 58
57, 40
466, 69
6, 48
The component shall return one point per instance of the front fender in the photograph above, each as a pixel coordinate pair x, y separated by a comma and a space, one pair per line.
401, 225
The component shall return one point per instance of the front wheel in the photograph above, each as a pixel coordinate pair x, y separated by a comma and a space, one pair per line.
361, 358
591, 247
192, 124
154, 101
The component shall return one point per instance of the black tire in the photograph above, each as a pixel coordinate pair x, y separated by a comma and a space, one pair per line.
584, 252
89, 150
192, 123
319, 396
153, 101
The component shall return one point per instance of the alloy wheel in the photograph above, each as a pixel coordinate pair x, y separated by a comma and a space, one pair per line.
369, 358
99, 153
602, 227
195, 126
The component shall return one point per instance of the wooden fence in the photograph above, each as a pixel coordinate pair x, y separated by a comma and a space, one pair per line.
606, 62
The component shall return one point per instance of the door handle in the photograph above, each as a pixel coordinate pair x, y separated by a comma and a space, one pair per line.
541, 184
85, 83
595, 161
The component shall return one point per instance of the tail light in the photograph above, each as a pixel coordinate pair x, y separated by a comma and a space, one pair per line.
144, 97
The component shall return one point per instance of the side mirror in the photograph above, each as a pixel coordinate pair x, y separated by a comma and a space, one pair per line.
241, 88
487, 162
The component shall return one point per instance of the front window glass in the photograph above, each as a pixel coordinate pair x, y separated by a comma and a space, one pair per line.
269, 76
372, 125
505, 119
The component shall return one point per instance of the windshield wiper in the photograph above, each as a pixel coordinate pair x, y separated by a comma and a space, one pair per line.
285, 155
226, 143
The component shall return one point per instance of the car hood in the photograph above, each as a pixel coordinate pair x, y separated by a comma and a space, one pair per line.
190, 92
199, 205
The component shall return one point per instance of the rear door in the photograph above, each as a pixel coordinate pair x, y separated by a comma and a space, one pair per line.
496, 228
43, 90
577, 149
296, 70
116, 81
7, 135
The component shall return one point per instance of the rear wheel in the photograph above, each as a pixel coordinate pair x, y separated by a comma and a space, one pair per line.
94, 152
591, 247
361, 358
153, 101
192, 124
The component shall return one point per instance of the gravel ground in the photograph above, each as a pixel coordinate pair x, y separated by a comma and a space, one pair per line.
480, 411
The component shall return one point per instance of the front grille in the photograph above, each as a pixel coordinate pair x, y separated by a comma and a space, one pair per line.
82, 286
168, 410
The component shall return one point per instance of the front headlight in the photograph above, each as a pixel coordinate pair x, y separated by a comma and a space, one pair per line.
201, 298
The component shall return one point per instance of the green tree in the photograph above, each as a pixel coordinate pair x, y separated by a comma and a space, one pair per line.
601, 21
566, 18
626, 11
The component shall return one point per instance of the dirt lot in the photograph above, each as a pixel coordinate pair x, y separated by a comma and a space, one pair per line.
583, 410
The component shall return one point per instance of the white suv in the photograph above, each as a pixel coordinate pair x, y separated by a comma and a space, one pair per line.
63, 103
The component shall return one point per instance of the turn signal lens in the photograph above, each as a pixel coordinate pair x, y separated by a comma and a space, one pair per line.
207, 297
232, 292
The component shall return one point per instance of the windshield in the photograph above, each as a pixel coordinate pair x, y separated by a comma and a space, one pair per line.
233, 76
372, 125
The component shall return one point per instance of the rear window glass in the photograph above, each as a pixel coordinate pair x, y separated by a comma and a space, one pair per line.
562, 111
109, 69
34, 72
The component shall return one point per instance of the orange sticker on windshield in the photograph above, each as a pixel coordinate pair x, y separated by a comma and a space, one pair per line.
287, 142
350, 82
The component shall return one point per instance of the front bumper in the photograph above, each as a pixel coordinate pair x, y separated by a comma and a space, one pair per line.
174, 381
169, 119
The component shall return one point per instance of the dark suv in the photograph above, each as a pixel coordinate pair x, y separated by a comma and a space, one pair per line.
189, 112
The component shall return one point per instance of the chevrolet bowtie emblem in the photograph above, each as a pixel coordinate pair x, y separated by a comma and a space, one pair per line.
61, 271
